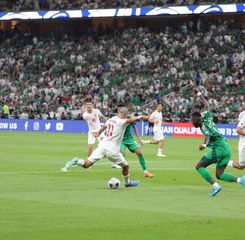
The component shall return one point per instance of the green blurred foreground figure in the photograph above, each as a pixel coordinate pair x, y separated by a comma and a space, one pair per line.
220, 152
129, 142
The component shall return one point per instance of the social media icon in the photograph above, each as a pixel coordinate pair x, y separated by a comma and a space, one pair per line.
59, 126
47, 126
36, 126
26, 125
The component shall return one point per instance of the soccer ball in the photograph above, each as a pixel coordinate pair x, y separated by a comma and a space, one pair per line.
114, 183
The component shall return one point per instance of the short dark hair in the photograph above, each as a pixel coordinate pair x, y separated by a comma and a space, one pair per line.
196, 114
88, 100
121, 105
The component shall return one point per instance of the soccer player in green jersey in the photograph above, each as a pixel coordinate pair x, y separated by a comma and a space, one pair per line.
129, 142
220, 152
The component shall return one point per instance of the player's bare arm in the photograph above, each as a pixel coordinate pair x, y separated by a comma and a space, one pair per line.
137, 134
103, 118
151, 120
204, 145
240, 131
203, 99
135, 119
97, 134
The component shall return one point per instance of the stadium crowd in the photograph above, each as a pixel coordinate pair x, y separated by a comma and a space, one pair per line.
51, 76
22, 5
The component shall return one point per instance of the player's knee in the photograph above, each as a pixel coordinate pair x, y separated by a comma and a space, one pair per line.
87, 164
219, 172
218, 175
125, 170
199, 165
138, 153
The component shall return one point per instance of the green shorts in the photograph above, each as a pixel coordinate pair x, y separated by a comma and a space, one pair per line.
220, 155
130, 144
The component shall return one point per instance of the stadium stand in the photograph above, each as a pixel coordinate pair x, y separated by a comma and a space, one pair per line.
50, 75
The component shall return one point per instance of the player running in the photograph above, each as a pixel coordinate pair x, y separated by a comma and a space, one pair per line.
241, 146
156, 119
110, 146
220, 152
92, 116
129, 142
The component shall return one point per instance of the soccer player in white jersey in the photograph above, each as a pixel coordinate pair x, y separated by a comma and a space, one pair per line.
241, 145
92, 116
156, 119
110, 145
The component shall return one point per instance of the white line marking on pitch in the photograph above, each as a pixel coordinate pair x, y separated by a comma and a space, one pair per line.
89, 170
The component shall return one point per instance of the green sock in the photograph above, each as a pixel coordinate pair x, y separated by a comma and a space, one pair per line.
228, 177
206, 175
142, 162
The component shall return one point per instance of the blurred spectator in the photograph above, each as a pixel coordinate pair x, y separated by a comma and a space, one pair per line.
53, 75
5, 110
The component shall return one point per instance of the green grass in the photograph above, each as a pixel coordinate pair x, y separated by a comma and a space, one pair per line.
37, 201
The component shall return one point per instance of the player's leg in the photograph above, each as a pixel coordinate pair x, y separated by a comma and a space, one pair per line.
158, 139
201, 168
241, 162
223, 156
95, 156
91, 142
90, 149
158, 136
118, 159
134, 148
150, 142
123, 151
160, 148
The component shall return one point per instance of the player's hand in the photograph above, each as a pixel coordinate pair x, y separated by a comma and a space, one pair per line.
202, 147
140, 143
144, 117
95, 134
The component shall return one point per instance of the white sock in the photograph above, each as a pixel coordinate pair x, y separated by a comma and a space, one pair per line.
215, 185
230, 164
160, 150
238, 180
146, 141
80, 162
126, 179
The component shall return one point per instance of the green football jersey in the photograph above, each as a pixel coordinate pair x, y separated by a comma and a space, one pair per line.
210, 130
128, 133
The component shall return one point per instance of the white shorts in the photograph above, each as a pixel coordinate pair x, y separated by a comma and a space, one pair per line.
92, 139
114, 156
158, 135
242, 157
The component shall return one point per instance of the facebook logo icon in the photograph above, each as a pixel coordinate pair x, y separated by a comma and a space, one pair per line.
26, 125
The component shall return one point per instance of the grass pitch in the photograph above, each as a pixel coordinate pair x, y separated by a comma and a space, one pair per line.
37, 201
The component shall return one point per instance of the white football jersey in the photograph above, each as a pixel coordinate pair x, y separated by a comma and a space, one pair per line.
157, 116
93, 120
241, 124
114, 132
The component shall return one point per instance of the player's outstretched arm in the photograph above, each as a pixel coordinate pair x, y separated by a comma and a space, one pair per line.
97, 134
151, 120
203, 99
103, 118
135, 119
